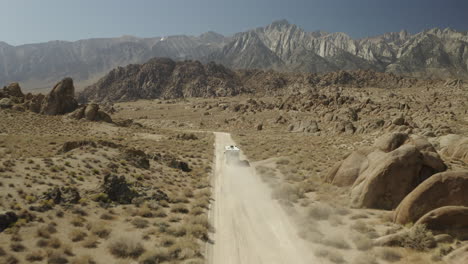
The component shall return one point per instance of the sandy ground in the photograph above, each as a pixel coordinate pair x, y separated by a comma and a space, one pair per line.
250, 227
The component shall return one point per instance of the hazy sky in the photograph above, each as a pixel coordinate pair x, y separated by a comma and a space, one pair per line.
31, 21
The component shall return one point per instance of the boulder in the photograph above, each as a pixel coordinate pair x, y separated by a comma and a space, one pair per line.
7, 219
458, 256
382, 175
102, 116
137, 158
13, 90
442, 189
34, 102
117, 189
346, 172
307, 126
71, 145
91, 112
455, 147
391, 141
447, 219
6, 103
62, 195
61, 100
388, 180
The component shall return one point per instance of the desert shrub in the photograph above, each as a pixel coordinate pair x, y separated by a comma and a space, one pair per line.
126, 248
289, 192
2, 252
78, 221
77, 235
106, 216
155, 256
55, 243
364, 258
100, 229
361, 241
418, 238
198, 231
335, 241
140, 223
83, 260
90, 241
177, 231
56, 257
333, 256
388, 254
45, 231
179, 208
17, 247
35, 256
320, 211
42, 243
185, 248
167, 241
358, 216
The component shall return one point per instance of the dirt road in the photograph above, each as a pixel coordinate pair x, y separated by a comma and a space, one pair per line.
250, 227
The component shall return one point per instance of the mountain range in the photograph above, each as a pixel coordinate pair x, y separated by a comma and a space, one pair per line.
281, 46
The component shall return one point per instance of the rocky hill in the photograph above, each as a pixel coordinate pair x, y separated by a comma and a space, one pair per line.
281, 46
164, 78
167, 79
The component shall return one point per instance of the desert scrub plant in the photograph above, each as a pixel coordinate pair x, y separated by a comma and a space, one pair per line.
418, 238
91, 241
333, 256
388, 254
17, 247
77, 235
179, 208
126, 247
364, 258
83, 260
335, 241
100, 229
361, 241
320, 211
140, 223
35, 256
185, 248
45, 231
155, 256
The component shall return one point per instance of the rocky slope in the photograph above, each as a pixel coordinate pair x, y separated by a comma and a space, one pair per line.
164, 78
280, 45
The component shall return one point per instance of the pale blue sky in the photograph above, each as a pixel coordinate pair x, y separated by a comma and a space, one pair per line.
31, 21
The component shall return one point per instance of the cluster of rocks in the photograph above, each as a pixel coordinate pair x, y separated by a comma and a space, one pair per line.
405, 172
59, 101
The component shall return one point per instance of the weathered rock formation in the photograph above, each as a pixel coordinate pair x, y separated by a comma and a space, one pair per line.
382, 175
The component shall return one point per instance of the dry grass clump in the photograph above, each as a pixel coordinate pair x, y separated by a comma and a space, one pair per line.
100, 229
335, 241
361, 241
388, 254
155, 256
45, 231
289, 192
35, 256
179, 208
77, 235
91, 241
364, 258
418, 238
140, 223
17, 247
320, 211
125, 247
333, 256
83, 260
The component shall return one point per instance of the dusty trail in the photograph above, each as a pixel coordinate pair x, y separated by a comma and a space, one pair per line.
250, 226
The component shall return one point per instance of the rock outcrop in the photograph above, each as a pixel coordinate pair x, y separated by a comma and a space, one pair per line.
90, 112
454, 147
442, 189
7, 219
447, 219
61, 100
117, 189
382, 175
